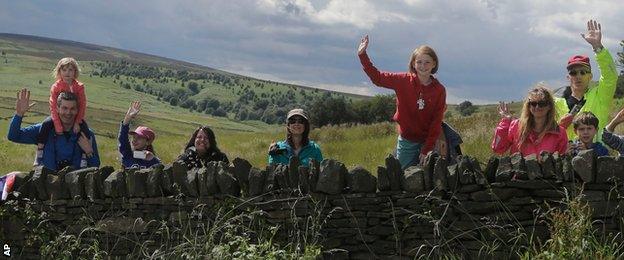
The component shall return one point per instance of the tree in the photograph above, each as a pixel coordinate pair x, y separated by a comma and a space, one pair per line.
466, 108
193, 87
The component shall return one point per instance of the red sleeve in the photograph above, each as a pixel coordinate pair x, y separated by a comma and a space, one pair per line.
82, 103
380, 78
55, 90
563, 141
435, 128
501, 141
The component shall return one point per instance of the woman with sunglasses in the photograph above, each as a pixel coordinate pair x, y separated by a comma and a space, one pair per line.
297, 141
535, 131
201, 149
420, 102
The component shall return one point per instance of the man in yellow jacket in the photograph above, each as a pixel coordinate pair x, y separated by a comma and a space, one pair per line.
582, 92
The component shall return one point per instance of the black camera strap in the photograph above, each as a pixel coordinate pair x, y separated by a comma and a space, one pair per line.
56, 149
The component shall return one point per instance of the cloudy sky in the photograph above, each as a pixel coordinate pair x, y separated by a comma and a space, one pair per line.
489, 50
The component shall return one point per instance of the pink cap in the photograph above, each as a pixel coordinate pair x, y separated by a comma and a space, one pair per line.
145, 132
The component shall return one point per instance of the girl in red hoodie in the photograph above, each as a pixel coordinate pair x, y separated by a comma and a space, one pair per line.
66, 74
420, 102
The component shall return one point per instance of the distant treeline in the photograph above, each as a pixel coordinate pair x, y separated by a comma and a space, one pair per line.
253, 99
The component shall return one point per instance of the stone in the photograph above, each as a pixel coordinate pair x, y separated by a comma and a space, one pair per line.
518, 163
91, 187
567, 170
293, 172
394, 172
136, 180
241, 173
226, 181
335, 254
497, 194
504, 171
452, 177
490, 169
39, 179
469, 188
256, 181
167, 180
359, 180
429, 167
530, 185
383, 181
315, 170
281, 173
154, 182
558, 166
75, 182
202, 189
56, 187
547, 163
583, 164
210, 178
609, 169
332, 177
533, 168
115, 185
304, 179
413, 180
466, 177
270, 182
440, 173
185, 179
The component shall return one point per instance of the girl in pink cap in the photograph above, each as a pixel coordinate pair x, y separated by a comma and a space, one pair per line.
140, 152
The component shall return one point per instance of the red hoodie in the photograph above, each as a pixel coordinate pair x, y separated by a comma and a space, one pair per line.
415, 124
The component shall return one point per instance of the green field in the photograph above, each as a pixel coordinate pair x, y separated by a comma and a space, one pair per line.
28, 64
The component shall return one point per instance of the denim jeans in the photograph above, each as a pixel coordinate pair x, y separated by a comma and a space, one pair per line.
407, 152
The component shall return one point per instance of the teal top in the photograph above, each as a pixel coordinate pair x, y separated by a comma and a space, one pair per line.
284, 152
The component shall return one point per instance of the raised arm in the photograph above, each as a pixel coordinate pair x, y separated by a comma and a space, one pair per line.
133, 111
379, 78
502, 141
16, 133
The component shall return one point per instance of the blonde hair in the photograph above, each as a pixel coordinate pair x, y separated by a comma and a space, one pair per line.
526, 122
67, 61
423, 49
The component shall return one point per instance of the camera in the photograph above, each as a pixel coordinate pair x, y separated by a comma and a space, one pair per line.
277, 151
63, 163
139, 154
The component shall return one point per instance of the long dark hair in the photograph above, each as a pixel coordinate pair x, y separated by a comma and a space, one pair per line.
211, 140
305, 136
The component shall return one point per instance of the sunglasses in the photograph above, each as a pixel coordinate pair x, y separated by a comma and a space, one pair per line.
296, 121
541, 103
577, 72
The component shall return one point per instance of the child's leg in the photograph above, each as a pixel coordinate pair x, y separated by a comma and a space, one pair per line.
84, 128
44, 132
407, 152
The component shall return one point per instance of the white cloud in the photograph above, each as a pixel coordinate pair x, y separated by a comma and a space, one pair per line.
489, 49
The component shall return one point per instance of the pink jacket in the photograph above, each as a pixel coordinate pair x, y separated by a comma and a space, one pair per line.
506, 137
78, 89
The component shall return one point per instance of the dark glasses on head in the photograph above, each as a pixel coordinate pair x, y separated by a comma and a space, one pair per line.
577, 72
296, 120
541, 103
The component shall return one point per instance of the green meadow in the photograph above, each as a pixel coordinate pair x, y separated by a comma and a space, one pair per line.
28, 64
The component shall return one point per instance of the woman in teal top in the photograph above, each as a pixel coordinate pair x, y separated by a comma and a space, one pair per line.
297, 142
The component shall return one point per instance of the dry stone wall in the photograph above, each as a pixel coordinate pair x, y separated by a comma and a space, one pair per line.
471, 209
